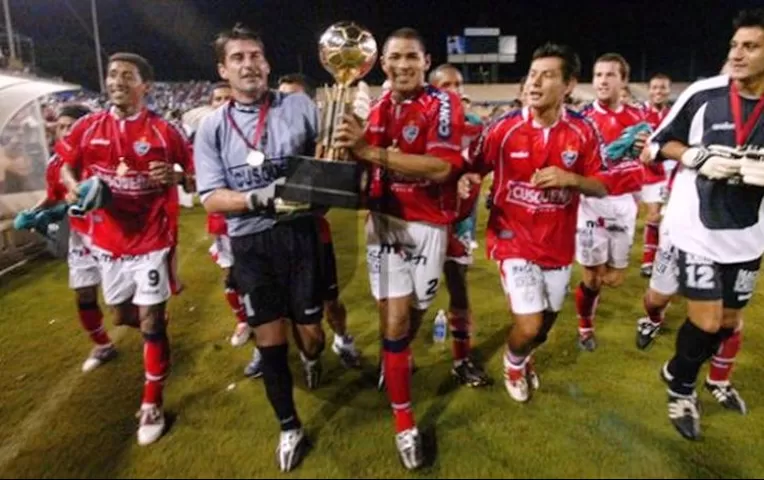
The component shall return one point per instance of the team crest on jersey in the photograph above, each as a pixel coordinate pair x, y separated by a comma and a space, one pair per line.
141, 147
410, 132
569, 157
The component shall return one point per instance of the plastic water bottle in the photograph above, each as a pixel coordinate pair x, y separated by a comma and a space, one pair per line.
440, 328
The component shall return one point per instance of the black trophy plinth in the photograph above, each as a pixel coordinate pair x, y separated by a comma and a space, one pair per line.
312, 180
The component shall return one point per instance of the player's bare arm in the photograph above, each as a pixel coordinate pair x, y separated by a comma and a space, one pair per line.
350, 135
674, 150
555, 177
224, 200
69, 179
467, 182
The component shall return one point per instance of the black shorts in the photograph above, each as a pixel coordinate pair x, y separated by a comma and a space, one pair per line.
704, 279
329, 282
278, 273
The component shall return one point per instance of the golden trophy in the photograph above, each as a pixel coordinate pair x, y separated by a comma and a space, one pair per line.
348, 52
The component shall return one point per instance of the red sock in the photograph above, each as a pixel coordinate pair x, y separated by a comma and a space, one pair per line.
655, 313
397, 367
91, 319
459, 320
650, 243
586, 305
232, 296
156, 363
723, 361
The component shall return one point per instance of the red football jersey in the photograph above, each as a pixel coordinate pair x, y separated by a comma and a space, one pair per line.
624, 175
430, 123
142, 216
654, 173
216, 224
527, 222
56, 192
465, 206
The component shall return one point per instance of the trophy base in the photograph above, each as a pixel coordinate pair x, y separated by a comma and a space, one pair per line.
282, 207
322, 182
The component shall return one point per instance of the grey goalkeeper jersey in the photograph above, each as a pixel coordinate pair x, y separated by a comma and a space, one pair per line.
220, 152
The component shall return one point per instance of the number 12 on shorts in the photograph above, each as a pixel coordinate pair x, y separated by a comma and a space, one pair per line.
700, 277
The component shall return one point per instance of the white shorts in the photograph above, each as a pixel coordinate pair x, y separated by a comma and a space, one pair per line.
665, 276
605, 230
83, 268
531, 288
221, 251
145, 279
404, 258
654, 192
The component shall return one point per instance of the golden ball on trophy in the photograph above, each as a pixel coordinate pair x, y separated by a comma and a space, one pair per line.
348, 52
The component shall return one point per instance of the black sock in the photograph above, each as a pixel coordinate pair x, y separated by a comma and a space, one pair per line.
278, 385
725, 333
589, 292
693, 347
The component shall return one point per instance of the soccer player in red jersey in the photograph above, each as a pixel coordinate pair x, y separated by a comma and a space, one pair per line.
606, 225
132, 149
544, 157
654, 189
459, 252
413, 138
84, 275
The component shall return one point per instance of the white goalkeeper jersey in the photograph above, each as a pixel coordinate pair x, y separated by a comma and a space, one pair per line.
718, 219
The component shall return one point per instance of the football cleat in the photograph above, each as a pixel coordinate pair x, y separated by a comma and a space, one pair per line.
727, 396
98, 356
469, 374
587, 342
254, 368
346, 350
151, 424
410, 452
241, 334
646, 332
684, 414
293, 445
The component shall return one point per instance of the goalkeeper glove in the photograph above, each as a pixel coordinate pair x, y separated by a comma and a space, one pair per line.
24, 220
752, 167
362, 101
714, 161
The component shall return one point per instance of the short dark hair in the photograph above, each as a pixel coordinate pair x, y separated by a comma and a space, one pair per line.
238, 32
623, 65
406, 33
73, 110
749, 18
143, 65
571, 64
442, 68
220, 85
301, 80
659, 76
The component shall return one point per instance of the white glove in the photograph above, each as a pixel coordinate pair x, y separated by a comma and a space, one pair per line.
362, 101
714, 161
752, 168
